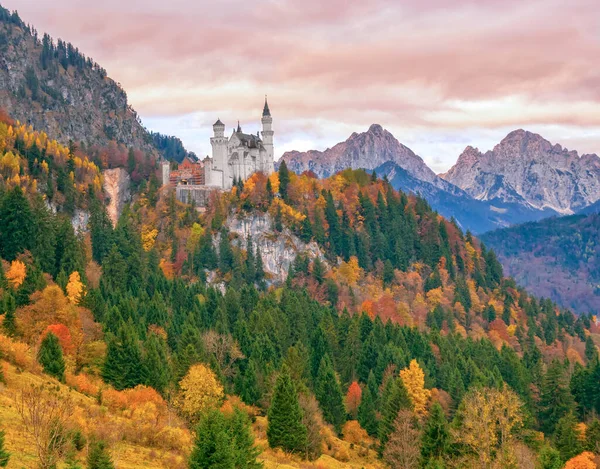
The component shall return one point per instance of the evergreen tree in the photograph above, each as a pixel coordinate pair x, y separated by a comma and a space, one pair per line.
591, 353
367, 416
394, 398
592, 436
124, 367
284, 180
245, 452
549, 458
4, 455
50, 356
213, 447
436, 435
8, 323
157, 363
556, 399
98, 456
329, 394
101, 231
17, 224
285, 429
567, 438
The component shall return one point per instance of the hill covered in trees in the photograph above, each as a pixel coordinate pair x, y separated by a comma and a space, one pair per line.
53, 86
557, 258
387, 345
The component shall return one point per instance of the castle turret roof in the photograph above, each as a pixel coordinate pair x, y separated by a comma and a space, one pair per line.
218, 123
266, 111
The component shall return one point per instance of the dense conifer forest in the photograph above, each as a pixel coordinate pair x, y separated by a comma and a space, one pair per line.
401, 343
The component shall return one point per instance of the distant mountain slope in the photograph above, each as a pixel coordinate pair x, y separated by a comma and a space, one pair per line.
377, 149
451, 202
366, 150
55, 88
594, 208
527, 169
558, 258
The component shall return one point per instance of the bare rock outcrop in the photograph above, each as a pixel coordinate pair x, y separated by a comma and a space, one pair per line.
117, 185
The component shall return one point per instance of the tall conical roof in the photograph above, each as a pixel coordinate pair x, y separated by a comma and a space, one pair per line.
239, 129
266, 111
218, 123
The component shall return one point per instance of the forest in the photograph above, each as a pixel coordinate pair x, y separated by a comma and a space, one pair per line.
401, 344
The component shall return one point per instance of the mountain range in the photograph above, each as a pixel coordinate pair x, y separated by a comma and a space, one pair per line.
538, 180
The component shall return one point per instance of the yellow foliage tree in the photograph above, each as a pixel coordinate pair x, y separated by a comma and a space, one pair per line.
414, 381
489, 418
584, 460
16, 273
200, 391
75, 288
149, 235
349, 272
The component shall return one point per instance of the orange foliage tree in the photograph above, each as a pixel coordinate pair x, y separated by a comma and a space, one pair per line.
64, 337
414, 381
353, 397
584, 460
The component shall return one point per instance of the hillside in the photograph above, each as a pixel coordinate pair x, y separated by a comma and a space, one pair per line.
557, 258
54, 87
388, 317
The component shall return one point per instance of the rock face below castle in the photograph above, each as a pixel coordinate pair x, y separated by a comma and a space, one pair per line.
526, 168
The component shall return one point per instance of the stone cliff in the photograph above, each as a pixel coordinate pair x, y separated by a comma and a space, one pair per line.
117, 184
278, 250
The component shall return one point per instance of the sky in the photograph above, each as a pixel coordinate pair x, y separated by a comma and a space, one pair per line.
438, 74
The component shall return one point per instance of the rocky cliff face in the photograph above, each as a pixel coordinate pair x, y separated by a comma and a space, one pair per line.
278, 250
117, 184
525, 168
366, 150
70, 99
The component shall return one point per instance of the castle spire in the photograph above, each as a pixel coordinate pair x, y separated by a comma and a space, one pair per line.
239, 129
266, 111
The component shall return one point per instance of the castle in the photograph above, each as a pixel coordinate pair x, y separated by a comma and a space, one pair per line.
233, 158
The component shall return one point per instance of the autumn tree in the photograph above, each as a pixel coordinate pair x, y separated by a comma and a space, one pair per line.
402, 449
353, 397
200, 391
75, 288
285, 428
414, 381
312, 420
50, 356
585, 460
487, 421
45, 414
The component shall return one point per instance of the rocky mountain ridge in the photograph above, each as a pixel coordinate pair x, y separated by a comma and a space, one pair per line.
54, 87
527, 169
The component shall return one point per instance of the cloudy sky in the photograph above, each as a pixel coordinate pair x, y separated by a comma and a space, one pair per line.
439, 74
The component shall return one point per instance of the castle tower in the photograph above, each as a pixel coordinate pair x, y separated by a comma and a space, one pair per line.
166, 172
267, 138
218, 174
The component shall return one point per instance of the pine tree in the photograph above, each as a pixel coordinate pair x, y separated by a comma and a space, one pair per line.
17, 224
123, 366
50, 356
366, 412
245, 452
8, 323
259, 269
284, 180
591, 353
213, 448
556, 399
329, 394
549, 458
4, 455
592, 436
394, 398
157, 363
98, 456
567, 438
436, 435
285, 429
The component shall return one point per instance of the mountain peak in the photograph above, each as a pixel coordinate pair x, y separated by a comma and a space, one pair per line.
375, 129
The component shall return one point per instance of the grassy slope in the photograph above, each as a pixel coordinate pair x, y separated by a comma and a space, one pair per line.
131, 456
